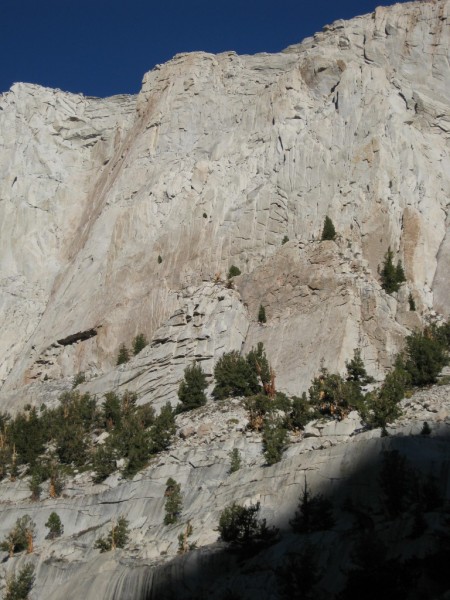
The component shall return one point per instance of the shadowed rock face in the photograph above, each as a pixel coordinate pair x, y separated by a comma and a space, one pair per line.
124, 215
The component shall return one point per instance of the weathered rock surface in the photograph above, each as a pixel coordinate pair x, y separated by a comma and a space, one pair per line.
212, 164
123, 215
340, 462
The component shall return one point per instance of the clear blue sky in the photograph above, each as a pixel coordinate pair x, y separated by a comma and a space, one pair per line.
103, 47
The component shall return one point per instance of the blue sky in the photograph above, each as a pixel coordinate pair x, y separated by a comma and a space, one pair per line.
103, 47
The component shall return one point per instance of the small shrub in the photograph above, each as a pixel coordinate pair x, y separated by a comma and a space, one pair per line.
123, 356
240, 525
116, 538
315, 513
262, 314
184, 545
411, 302
233, 272
285, 240
139, 343
191, 391
159, 259
55, 526
174, 502
328, 231
205, 216
19, 586
78, 379
235, 460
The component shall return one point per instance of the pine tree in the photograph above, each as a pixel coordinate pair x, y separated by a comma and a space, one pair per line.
262, 314
356, 370
139, 343
55, 526
19, 587
117, 537
174, 502
162, 430
328, 232
391, 277
315, 513
123, 355
235, 460
192, 389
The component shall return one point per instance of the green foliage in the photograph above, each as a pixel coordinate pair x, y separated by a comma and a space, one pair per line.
234, 377
235, 460
259, 365
111, 410
104, 462
123, 356
55, 526
174, 502
315, 513
284, 240
332, 395
26, 434
356, 370
117, 537
19, 537
391, 277
233, 272
78, 379
274, 439
19, 586
262, 314
301, 412
411, 302
425, 356
159, 259
328, 231
163, 430
139, 343
191, 391
240, 525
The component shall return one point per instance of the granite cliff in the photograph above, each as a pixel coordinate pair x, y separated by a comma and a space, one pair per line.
123, 215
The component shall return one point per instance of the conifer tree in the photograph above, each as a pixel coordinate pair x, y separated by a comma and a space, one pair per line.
55, 526
262, 314
173, 501
328, 232
192, 389
139, 343
123, 355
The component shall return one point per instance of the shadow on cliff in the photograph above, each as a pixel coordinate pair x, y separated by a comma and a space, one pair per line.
390, 537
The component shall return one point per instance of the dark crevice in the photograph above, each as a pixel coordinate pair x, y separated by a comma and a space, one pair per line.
78, 337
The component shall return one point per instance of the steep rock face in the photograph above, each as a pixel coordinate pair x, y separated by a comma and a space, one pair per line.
215, 161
